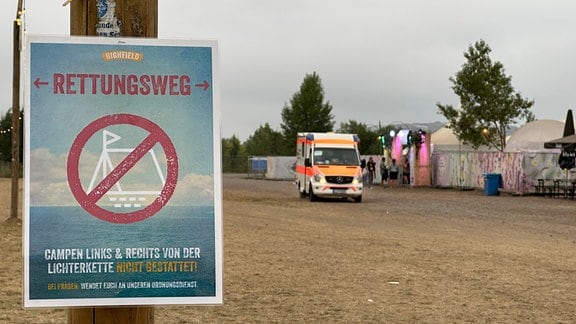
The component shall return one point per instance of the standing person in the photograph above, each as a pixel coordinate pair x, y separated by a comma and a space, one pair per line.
393, 170
406, 172
364, 171
371, 166
383, 172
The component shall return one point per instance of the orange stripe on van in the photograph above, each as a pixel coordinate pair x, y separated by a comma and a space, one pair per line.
350, 171
304, 170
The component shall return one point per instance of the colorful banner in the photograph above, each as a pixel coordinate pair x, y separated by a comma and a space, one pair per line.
123, 199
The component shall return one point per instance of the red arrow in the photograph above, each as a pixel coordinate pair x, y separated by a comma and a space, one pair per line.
38, 83
204, 85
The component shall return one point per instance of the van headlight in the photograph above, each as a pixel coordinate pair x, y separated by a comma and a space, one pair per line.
319, 178
357, 180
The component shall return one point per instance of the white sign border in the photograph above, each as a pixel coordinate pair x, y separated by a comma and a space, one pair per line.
217, 178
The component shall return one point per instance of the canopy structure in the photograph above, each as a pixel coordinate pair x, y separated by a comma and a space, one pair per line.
561, 142
569, 136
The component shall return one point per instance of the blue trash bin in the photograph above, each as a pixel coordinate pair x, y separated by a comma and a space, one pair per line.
492, 181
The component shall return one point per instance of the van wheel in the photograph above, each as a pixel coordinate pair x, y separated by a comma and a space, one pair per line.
311, 194
358, 199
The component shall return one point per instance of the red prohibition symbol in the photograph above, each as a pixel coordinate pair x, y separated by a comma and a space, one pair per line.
88, 200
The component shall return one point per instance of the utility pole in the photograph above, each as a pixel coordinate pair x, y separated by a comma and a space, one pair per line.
124, 18
15, 133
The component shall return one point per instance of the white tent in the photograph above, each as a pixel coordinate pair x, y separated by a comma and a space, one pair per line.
444, 136
444, 139
532, 136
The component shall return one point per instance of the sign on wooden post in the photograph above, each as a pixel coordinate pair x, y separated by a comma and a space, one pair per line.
122, 177
134, 111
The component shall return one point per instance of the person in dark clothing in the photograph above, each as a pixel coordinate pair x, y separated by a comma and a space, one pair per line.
393, 171
406, 172
371, 166
383, 172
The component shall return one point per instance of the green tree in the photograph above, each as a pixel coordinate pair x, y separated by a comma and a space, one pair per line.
307, 112
488, 102
6, 136
369, 144
234, 160
265, 141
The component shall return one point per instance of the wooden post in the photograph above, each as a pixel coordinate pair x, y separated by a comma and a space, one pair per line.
134, 18
111, 315
16, 114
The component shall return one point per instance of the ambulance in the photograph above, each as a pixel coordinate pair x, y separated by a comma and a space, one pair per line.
328, 166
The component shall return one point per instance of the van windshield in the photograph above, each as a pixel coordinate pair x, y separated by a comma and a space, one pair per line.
335, 156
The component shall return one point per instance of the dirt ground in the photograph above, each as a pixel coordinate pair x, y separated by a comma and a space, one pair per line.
403, 255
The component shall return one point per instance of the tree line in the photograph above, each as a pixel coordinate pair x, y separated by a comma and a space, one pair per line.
488, 106
307, 111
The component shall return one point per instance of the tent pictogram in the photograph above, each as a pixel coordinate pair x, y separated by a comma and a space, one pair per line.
122, 198
112, 174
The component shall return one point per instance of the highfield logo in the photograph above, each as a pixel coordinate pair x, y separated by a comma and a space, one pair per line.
122, 55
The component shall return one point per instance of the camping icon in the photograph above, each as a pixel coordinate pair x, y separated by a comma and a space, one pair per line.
118, 197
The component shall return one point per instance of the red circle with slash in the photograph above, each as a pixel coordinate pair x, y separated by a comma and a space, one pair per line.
89, 200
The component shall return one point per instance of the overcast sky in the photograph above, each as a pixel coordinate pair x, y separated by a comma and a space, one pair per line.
380, 61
